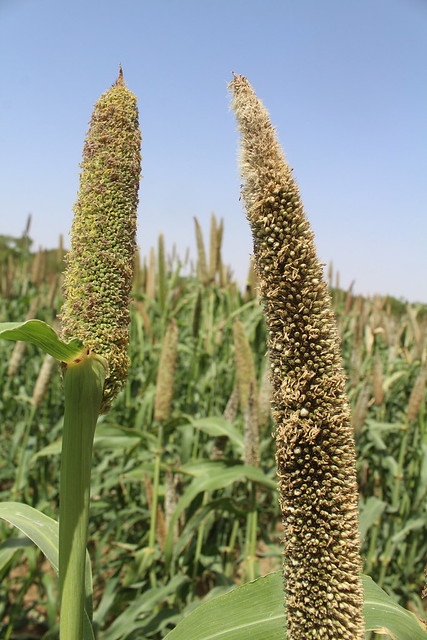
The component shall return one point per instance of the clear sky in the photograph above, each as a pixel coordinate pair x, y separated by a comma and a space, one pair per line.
344, 82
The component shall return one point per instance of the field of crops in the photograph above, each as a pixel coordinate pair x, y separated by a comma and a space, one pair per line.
184, 499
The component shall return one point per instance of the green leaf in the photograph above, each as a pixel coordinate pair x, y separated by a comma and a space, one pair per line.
41, 529
217, 427
52, 449
43, 336
256, 610
211, 473
134, 617
113, 437
384, 427
411, 525
382, 613
44, 532
370, 511
211, 476
106, 437
422, 480
10, 547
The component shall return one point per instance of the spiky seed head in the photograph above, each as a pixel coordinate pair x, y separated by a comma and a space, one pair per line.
197, 314
202, 269
166, 373
251, 452
245, 366
378, 380
315, 449
150, 285
232, 406
247, 384
418, 394
98, 277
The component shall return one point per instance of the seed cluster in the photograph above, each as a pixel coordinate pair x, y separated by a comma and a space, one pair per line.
315, 448
99, 270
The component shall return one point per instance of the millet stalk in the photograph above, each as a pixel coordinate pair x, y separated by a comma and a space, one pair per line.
98, 278
97, 286
315, 449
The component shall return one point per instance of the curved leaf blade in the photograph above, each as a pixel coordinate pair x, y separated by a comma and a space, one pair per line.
211, 476
44, 532
256, 610
43, 336
381, 612
370, 511
253, 610
216, 427
41, 529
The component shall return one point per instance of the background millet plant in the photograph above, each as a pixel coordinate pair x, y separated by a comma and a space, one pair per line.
315, 448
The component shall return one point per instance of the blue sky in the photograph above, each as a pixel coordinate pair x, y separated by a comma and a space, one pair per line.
344, 82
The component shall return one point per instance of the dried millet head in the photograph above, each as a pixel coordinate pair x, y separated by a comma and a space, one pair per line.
99, 271
315, 449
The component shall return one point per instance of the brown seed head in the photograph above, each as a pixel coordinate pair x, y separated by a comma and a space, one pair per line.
315, 449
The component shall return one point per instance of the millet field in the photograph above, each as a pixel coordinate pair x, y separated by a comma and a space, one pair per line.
185, 504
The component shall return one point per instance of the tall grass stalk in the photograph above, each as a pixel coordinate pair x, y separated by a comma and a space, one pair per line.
155, 500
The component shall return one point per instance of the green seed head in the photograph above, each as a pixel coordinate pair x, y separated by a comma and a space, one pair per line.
99, 271
315, 449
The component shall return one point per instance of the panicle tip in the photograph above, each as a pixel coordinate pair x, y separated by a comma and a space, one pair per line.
238, 79
120, 82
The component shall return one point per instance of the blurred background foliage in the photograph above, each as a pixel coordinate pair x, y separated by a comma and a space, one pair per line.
184, 503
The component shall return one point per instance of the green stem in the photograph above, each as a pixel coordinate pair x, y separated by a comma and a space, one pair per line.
195, 445
155, 499
251, 536
400, 468
200, 536
371, 556
23, 464
384, 562
229, 565
83, 386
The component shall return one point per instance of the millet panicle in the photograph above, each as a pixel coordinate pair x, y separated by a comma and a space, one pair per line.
315, 448
99, 271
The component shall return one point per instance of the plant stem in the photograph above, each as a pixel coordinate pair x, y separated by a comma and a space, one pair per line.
200, 536
229, 565
23, 464
395, 500
83, 386
153, 518
251, 537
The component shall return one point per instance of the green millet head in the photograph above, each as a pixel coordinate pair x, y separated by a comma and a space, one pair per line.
315, 449
99, 271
